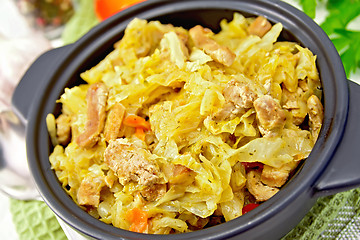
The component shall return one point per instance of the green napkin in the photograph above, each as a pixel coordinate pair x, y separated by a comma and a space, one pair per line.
35, 221
332, 217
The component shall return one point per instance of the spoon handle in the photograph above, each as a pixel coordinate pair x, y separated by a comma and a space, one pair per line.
15, 178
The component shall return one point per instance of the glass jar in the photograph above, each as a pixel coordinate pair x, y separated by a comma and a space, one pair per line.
48, 16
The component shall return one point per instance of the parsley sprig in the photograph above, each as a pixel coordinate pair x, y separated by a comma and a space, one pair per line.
340, 14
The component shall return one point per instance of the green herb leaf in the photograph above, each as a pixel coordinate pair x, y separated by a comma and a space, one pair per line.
341, 13
309, 7
348, 45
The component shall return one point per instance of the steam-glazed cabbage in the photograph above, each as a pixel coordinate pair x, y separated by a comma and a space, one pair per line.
177, 130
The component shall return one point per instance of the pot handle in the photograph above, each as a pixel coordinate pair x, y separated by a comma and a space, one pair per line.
26, 90
343, 173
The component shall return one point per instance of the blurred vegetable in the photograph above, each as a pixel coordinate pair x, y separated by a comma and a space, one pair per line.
107, 8
46, 15
81, 22
347, 42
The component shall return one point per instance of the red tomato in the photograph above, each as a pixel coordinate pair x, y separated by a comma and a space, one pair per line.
248, 165
107, 8
247, 208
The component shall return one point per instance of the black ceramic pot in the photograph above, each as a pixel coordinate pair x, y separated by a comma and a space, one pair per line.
332, 166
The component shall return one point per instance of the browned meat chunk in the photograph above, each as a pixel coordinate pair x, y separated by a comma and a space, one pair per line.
259, 27
129, 163
270, 115
154, 192
276, 177
260, 191
228, 111
240, 94
96, 104
220, 54
89, 191
293, 101
63, 129
183, 37
316, 115
179, 174
113, 122
110, 178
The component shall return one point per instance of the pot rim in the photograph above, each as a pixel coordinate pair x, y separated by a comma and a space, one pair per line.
295, 21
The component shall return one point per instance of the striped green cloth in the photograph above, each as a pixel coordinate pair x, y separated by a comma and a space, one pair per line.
34, 220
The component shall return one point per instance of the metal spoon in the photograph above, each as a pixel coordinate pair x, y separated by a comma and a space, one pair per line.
15, 178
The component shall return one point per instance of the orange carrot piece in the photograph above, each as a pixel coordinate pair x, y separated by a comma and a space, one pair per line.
139, 132
138, 219
137, 122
